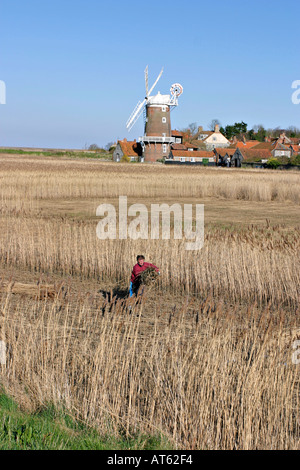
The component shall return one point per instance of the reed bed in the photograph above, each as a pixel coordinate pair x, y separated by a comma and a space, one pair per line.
52, 179
204, 375
256, 264
205, 358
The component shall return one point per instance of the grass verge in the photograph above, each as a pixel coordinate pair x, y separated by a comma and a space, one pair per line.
53, 153
52, 429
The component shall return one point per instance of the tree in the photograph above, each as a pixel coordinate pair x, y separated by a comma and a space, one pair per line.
191, 130
94, 147
273, 163
293, 131
213, 124
193, 127
260, 132
240, 128
108, 146
229, 132
235, 130
295, 160
251, 135
276, 132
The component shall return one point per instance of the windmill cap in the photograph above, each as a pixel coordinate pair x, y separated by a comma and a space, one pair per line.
159, 99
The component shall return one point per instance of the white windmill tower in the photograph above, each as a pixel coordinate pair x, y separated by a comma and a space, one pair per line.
157, 131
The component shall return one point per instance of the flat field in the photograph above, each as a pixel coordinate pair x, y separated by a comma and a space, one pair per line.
207, 359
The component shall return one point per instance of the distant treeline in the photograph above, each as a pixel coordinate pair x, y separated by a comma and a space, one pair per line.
240, 130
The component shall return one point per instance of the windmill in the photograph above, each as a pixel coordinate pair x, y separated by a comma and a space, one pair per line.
141, 104
157, 124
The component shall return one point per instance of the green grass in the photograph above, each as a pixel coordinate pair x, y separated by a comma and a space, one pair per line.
52, 153
51, 429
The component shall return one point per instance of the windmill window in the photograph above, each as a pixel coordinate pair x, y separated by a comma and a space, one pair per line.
164, 148
164, 120
164, 109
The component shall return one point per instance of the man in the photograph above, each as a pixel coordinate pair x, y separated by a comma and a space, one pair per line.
137, 270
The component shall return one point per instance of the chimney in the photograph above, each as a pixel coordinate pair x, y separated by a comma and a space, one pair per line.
217, 128
200, 129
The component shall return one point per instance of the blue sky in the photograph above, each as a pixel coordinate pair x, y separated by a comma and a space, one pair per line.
74, 69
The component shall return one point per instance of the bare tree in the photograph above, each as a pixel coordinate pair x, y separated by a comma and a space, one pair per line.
94, 147
191, 129
108, 146
213, 124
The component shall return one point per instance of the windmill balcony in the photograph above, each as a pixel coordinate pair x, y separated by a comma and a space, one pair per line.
157, 139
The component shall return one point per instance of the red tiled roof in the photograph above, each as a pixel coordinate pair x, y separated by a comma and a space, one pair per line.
224, 151
255, 154
176, 133
197, 144
199, 153
191, 145
246, 145
264, 146
130, 148
179, 146
205, 132
281, 146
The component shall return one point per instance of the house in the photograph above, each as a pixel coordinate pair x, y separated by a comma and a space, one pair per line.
203, 157
276, 147
132, 149
252, 155
281, 150
245, 144
178, 147
177, 136
283, 139
210, 139
295, 149
224, 156
191, 146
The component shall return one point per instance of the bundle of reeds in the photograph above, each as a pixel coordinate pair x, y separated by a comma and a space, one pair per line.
36, 291
148, 277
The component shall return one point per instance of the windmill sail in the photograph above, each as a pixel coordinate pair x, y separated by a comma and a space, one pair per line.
141, 104
146, 82
135, 114
155, 83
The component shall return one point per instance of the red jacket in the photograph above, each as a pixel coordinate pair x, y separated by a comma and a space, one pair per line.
137, 269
